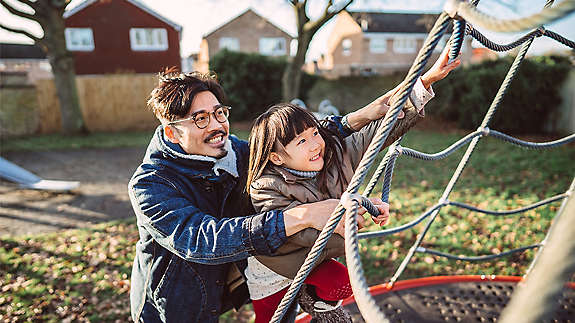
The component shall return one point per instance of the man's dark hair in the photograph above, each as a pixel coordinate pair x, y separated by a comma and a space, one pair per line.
172, 98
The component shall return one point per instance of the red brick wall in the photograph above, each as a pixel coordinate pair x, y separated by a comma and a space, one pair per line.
111, 21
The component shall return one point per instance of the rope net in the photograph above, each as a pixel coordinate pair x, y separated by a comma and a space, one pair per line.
465, 16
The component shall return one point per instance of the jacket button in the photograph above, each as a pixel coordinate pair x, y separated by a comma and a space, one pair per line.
214, 312
220, 282
209, 188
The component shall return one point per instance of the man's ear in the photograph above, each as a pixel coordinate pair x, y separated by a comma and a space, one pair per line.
170, 134
276, 159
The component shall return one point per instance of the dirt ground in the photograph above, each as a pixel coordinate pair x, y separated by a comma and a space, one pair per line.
102, 195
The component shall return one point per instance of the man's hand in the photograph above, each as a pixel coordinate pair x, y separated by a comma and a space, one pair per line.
440, 69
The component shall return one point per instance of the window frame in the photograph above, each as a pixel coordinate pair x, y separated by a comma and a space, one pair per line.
346, 50
378, 39
404, 49
162, 46
282, 40
233, 40
75, 47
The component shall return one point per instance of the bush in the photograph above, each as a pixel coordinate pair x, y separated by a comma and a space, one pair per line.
253, 82
529, 106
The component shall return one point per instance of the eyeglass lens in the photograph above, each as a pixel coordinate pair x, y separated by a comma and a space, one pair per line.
202, 119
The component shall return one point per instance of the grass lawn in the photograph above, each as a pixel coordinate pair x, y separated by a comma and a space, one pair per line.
81, 275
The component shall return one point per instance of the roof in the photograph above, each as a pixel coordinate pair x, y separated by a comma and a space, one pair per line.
22, 51
390, 22
241, 14
136, 3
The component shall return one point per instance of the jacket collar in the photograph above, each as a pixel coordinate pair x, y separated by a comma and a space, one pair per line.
285, 174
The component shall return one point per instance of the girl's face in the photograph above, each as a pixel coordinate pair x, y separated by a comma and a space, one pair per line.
305, 152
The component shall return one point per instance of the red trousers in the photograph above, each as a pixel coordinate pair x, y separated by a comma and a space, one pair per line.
331, 282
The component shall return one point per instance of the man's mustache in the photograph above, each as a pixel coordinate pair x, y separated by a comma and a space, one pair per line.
215, 134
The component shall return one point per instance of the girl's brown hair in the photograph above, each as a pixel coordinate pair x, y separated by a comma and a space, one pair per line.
277, 127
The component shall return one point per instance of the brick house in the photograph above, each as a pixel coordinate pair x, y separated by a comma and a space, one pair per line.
121, 36
364, 43
248, 32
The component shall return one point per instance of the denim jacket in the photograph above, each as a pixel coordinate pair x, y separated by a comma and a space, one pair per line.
193, 224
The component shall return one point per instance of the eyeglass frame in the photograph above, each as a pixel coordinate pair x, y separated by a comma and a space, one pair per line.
193, 116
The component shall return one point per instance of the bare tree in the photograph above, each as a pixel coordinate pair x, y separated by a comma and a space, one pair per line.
49, 15
306, 29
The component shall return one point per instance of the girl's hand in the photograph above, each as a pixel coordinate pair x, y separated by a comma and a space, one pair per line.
440, 69
383, 218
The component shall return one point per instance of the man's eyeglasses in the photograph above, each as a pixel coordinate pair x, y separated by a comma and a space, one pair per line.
202, 119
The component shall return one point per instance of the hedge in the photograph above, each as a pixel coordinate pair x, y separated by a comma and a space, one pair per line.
253, 82
530, 105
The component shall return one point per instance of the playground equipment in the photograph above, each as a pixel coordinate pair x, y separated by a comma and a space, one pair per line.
549, 282
26, 179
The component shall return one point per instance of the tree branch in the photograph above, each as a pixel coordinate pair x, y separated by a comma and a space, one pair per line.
327, 15
29, 3
16, 12
20, 31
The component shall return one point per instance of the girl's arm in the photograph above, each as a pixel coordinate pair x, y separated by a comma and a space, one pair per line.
378, 108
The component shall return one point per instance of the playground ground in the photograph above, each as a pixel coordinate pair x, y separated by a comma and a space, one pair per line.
102, 195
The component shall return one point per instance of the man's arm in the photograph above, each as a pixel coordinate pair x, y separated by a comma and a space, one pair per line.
195, 235
200, 237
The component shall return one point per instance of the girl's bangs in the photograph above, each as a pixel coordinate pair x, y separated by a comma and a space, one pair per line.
291, 121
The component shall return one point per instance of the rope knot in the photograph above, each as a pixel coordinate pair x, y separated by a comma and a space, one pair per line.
540, 31
451, 7
484, 131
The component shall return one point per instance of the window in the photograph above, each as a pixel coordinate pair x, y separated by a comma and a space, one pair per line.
79, 39
404, 45
230, 43
346, 46
377, 45
148, 39
275, 46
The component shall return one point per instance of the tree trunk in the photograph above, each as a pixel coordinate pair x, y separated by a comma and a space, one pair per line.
291, 80
65, 81
62, 63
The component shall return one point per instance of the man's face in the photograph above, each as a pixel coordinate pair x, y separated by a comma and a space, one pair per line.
209, 141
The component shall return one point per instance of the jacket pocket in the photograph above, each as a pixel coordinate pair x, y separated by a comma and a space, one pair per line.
181, 294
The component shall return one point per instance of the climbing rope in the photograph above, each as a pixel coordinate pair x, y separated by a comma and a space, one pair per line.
454, 9
467, 11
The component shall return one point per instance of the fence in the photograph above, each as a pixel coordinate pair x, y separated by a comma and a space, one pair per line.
109, 103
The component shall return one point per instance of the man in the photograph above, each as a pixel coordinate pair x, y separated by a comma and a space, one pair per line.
195, 220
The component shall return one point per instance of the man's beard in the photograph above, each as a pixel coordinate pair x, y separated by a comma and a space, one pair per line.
223, 151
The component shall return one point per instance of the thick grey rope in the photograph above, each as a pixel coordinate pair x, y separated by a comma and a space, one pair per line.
503, 48
494, 105
381, 233
536, 299
368, 158
456, 40
389, 173
475, 17
493, 133
559, 38
476, 258
381, 168
367, 306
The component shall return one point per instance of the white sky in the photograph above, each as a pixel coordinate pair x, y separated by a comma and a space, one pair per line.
198, 17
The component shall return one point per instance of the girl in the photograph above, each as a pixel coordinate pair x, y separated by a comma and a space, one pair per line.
294, 160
